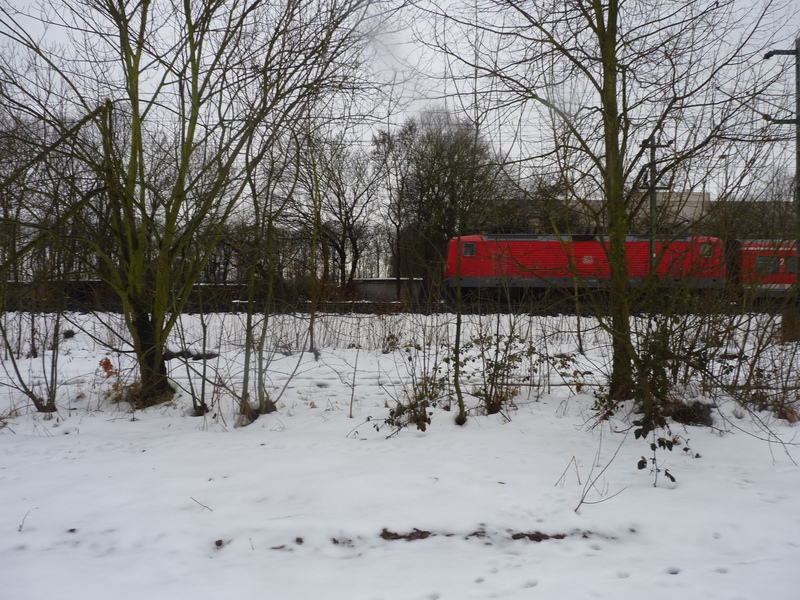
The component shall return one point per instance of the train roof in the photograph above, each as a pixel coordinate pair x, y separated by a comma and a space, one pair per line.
767, 243
523, 237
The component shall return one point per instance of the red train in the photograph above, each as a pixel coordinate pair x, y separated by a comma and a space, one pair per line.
764, 267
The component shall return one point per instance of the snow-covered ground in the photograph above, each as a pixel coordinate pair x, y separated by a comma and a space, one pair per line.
308, 503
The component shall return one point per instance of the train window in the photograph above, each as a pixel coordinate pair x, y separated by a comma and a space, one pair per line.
791, 264
767, 265
706, 250
468, 249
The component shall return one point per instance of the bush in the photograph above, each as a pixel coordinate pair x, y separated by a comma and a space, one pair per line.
495, 360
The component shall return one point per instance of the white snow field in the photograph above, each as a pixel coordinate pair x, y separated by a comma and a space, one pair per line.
314, 502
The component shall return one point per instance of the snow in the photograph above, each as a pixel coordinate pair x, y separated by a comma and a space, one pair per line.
101, 502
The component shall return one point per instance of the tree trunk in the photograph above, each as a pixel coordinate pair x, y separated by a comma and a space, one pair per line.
154, 386
621, 381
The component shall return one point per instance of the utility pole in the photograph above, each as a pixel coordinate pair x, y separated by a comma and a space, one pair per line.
794, 319
651, 143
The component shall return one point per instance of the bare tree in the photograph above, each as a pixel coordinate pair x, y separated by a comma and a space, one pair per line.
446, 179
611, 79
349, 198
347, 185
163, 98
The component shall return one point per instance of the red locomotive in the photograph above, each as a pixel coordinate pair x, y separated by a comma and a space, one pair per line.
546, 261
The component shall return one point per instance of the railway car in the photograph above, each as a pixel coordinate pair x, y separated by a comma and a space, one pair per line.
540, 261
765, 268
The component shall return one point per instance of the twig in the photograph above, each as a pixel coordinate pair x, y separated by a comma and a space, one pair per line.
603, 500
355, 370
574, 462
203, 505
21, 525
591, 481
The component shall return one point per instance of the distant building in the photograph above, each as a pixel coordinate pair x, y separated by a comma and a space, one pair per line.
673, 209
680, 213
677, 208
388, 289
